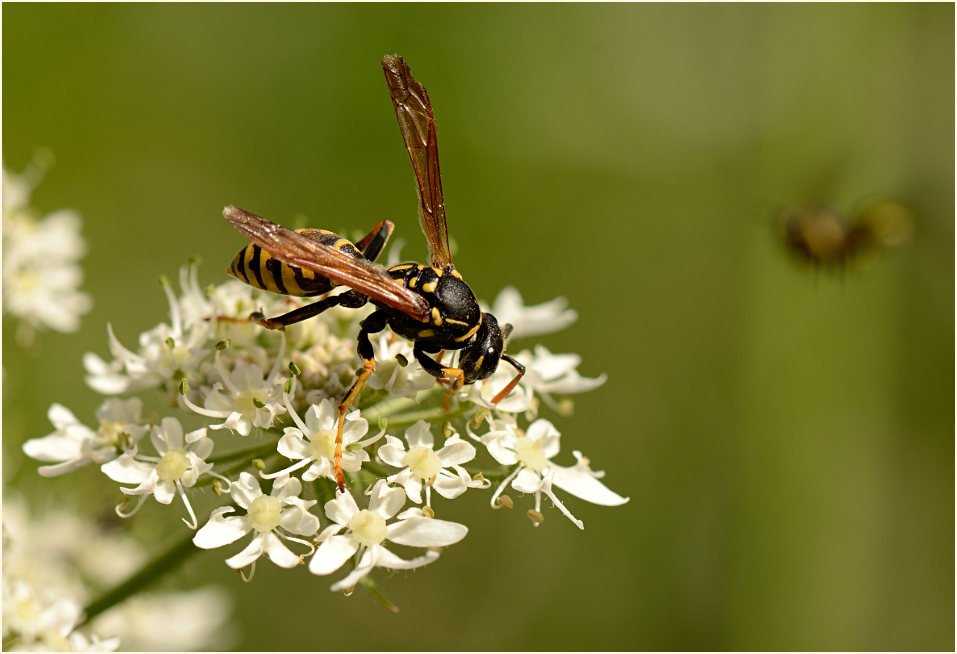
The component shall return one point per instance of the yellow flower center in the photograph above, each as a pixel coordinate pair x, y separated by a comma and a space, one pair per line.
110, 432
173, 465
249, 402
423, 462
530, 453
264, 513
323, 445
368, 527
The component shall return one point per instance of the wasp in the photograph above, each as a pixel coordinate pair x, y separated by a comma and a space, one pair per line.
432, 305
823, 236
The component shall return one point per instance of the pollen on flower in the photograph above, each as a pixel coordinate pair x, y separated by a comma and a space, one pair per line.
423, 462
530, 453
173, 465
368, 527
264, 513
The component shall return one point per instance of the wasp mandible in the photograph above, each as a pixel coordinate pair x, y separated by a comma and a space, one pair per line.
432, 306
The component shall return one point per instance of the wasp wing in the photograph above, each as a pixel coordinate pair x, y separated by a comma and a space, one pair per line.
299, 250
417, 124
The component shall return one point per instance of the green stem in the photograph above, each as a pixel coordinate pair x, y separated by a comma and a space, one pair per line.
428, 415
151, 572
373, 589
247, 454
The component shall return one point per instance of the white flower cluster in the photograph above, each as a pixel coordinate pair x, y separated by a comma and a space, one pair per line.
52, 565
41, 275
262, 413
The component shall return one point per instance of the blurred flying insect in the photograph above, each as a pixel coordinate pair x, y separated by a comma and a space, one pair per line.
429, 305
824, 237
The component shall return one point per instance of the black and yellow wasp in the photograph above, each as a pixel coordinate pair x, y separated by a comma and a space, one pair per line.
429, 305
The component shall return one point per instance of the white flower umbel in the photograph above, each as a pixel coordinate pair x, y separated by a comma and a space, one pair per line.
166, 352
272, 518
41, 274
180, 463
423, 466
312, 442
244, 396
366, 531
38, 621
531, 452
74, 445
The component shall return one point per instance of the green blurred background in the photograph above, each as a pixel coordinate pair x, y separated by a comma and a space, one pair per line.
786, 436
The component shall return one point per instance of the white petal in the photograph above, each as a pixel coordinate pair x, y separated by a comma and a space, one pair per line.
449, 486
245, 490
582, 484
173, 433
392, 452
55, 447
456, 451
221, 529
366, 563
60, 416
164, 491
278, 552
386, 501
341, 509
419, 435
292, 445
426, 532
412, 486
127, 470
331, 554
527, 482
285, 487
387, 559
297, 520
249, 554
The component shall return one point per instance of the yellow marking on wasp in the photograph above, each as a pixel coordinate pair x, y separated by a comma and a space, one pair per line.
404, 266
429, 287
269, 282
248, 260
412, 282
478, 362
453, 321
436, 316
456, 274
438, 271
325, 231
289, 280
470, 333
426, 333
420, 267
341, 243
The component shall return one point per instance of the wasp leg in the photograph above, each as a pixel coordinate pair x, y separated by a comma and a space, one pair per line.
502, 394
373, 242
351, 299
374, 323
442, 373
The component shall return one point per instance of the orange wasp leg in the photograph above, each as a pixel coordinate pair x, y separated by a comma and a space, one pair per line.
375, 322
502, 394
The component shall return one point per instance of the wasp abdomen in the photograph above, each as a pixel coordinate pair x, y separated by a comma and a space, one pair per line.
258, 268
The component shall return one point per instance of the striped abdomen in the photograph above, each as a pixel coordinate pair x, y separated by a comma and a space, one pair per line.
258, 268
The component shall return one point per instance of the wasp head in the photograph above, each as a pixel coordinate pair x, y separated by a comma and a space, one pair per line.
480, 358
